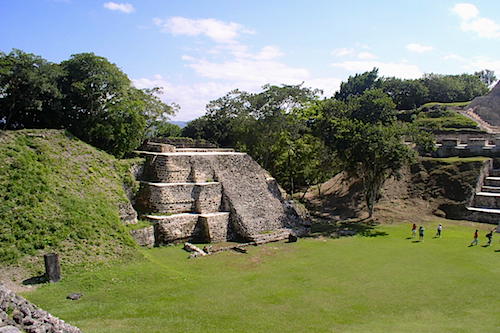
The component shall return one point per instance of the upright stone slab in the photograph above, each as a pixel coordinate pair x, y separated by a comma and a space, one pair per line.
52, 267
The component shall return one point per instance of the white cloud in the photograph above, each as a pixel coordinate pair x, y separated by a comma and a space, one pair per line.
259, 71
472, 22
191, 97
480, 63
455, 57
220, 32
366, 55
342, 52
465, 11
121, 7
399, 69
329, 85
418, 48
227, 65
268, 53
194, 97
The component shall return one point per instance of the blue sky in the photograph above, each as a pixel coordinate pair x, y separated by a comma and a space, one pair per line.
199, 50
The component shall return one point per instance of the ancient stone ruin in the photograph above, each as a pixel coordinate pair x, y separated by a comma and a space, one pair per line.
19, 315
484, 206
449, 147
210, 195
487, 108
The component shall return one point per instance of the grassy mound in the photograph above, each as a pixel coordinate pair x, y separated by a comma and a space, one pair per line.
437, 117
381, 282
60, 194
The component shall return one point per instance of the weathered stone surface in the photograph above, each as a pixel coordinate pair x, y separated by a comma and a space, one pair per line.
215, 226
144, 236
157, 147
74, 296
128, 215
179, 197
487, 106
9, 329
177, 227
195, 249
52, 267
27, 316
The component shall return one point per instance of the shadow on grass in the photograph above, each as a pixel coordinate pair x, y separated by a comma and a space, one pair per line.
334, 229
35, 280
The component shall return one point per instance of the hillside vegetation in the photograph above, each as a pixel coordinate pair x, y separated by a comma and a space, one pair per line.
60, 194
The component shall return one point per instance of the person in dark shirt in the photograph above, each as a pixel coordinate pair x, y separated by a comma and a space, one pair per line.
421, 233
489, 235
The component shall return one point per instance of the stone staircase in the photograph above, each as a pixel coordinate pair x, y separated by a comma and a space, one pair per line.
485, 206
181, 203
469, 113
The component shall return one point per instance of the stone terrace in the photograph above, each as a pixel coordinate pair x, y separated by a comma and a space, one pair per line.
210, 195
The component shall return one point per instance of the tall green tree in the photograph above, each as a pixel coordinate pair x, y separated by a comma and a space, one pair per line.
29, 94
101, 106
373, 106
370, 152
357, 84
406, 94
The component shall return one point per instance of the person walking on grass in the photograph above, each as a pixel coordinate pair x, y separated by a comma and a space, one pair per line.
476, 236
439, 229
414, 231
489, 235
421, 233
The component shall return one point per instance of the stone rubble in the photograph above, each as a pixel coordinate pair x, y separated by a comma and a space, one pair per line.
18, 313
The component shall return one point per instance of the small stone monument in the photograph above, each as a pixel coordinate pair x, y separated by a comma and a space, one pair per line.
52, 268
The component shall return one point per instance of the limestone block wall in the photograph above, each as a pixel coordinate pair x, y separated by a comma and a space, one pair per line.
177, 227
177, 168
215, 226
19, 312
179, 197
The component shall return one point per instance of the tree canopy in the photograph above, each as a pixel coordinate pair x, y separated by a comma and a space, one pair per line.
86, 94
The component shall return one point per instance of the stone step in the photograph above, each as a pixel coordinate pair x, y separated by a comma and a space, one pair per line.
486, 200
494, 173
492, 189
209, 228
178, 184
181, 197
170, 217
486, 215
204, 150
272, 236
492, 181
189, 153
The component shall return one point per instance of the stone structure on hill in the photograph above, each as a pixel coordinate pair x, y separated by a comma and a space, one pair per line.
451, 147
211, 195
487, 109
484, 205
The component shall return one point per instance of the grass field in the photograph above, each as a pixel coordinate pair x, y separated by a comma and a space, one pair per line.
379, 283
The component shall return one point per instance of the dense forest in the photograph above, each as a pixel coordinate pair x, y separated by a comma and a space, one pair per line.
294, 132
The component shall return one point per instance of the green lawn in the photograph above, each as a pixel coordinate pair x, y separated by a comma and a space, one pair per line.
385, 283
